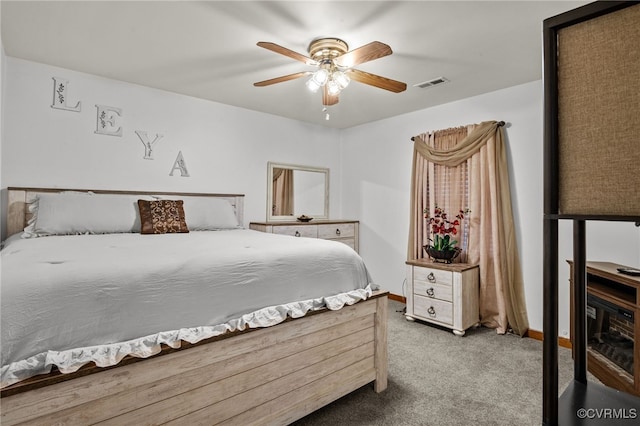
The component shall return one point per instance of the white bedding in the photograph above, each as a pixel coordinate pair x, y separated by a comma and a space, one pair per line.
69, 300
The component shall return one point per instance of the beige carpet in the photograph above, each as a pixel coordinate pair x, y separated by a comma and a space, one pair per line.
437, 378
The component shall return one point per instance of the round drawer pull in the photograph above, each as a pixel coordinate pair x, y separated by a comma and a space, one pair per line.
338, 231
431, 277
430, 292
297, 233
431, 311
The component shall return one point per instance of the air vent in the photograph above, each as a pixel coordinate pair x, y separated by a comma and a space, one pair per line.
431, 83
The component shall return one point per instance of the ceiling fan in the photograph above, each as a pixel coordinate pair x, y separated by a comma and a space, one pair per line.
335, 67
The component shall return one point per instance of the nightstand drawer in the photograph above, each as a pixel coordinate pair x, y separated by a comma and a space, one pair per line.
433, 291
309, 231
433, 309
433, 276
336, 230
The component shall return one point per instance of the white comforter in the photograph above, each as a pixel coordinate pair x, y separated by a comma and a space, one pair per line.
70, 300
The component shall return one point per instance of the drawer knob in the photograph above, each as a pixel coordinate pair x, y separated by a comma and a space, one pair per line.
338, 231
297, 233
430, 292
431, 311
431, 277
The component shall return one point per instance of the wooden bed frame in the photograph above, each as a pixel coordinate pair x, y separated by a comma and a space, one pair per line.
272, 375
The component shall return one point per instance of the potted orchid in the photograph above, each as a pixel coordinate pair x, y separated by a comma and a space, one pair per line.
443, 230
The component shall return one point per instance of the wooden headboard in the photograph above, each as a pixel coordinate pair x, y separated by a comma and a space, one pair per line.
19, 198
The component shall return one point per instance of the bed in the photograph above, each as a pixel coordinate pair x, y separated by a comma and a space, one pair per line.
189, 352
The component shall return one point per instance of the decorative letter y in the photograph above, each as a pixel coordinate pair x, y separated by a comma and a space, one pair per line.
148, 145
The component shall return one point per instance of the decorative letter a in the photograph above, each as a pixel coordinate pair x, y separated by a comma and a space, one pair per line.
180, 165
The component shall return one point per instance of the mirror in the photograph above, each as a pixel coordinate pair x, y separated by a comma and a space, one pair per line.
294, 190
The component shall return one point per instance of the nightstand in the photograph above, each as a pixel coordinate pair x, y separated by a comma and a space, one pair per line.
443, 294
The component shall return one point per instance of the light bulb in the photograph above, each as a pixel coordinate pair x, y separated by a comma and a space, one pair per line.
312, 85
340, 78
333, 88
320, 77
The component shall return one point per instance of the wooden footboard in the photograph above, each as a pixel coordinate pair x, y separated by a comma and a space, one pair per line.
274, 375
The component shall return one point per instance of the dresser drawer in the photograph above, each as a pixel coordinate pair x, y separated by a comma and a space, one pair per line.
330, 231
345, 232
310, 231
433, 291
432, 276
351, 242
433, 309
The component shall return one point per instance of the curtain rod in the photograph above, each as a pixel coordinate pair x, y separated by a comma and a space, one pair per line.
500, 124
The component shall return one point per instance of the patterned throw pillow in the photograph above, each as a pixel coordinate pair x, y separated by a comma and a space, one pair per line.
162, 217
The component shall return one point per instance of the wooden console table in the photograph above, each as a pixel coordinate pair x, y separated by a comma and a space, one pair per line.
622, 293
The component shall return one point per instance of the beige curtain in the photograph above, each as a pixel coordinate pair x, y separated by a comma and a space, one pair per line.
435, 183
492, 239
282, 192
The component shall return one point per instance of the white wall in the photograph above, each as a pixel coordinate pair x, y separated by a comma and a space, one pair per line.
3, 62
376, 161
225, 148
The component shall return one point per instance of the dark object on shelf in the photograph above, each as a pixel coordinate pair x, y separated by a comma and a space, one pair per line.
443, 256
304, 218
629, 271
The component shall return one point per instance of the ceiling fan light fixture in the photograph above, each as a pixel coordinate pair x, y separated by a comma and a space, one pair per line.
312, 85
320, 77
341, 79
333, 87
335, 62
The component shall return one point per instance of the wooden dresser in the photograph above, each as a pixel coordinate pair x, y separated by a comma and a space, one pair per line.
345, 231
443, 294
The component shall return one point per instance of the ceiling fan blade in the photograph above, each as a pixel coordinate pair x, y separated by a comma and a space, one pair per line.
366, 53
287, 52
328, 99
377, 81
281, 79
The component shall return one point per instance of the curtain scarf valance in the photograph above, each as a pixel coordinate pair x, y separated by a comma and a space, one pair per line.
464, 149
492, 236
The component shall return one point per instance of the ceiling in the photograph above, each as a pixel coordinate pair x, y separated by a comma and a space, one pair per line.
208, 49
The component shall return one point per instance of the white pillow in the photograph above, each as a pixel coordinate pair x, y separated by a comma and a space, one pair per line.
207, 213
69, 212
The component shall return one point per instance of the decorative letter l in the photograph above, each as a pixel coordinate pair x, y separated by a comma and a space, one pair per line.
60, 86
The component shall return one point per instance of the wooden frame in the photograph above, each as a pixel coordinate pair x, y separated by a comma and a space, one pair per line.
564, 141
296, 168
272, 375
18, 199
